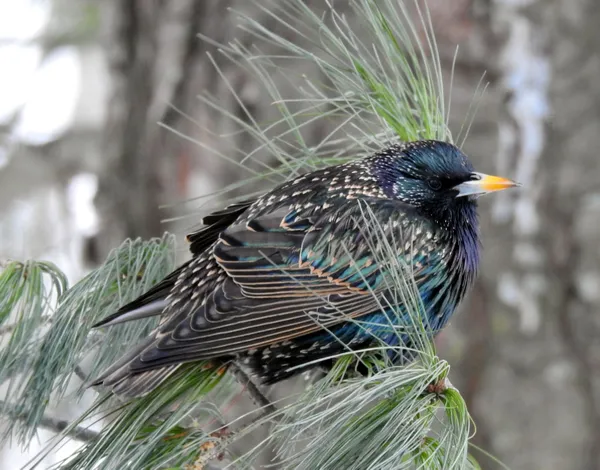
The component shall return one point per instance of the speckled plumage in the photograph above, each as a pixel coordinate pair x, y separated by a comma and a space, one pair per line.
271, 278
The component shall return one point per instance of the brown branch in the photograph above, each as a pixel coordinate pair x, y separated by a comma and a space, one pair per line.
475, 362
193, 49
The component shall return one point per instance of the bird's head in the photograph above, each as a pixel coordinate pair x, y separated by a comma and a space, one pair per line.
436, 177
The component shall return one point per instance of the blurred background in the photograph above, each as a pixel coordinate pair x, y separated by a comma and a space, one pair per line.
84, 165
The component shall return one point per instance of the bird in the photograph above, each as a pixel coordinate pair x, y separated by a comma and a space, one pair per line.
287, 279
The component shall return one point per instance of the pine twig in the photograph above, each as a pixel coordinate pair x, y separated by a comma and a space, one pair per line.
59, 425
224, 436
52, 424
78, 371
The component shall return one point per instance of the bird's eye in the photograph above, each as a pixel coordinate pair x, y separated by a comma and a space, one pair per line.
434, 184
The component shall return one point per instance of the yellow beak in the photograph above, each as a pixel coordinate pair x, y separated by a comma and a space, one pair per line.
483, 184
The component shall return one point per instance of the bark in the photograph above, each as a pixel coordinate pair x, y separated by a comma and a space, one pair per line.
129, 182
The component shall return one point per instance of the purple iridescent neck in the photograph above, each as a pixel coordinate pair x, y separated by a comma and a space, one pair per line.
467, 235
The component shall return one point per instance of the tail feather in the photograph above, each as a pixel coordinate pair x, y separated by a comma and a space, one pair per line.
122, 363
149, 310
149, 304
120, 379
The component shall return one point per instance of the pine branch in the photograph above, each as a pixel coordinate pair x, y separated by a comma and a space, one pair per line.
51, 424
59, 425
78, 371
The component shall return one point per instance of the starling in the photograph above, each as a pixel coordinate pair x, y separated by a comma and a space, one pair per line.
274, 281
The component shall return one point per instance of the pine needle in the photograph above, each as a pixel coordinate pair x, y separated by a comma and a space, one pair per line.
129, 271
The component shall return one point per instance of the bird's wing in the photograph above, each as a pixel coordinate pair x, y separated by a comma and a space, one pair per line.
215, 223
153, 302
285, 275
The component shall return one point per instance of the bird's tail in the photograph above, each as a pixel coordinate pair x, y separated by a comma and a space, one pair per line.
118, 376
150, 304
122, 382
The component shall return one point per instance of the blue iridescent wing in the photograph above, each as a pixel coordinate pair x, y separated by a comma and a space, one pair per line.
284, 274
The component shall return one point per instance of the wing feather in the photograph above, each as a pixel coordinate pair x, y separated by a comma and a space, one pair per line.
280, 274
286, 274
153, 302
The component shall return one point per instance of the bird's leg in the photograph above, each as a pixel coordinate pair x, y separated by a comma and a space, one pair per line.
257, 396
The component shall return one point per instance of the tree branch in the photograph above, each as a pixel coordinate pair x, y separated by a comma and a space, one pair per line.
79, 433
78, 371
